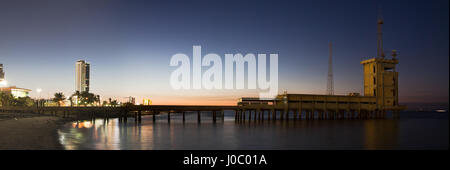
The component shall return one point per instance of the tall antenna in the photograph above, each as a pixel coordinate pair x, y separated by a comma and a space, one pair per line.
330, 84
380, 52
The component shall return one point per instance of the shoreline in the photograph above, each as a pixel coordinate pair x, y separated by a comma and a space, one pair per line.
28, 131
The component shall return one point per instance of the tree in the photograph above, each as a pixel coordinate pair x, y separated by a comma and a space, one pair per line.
71, 101
127, 104
85, 98
6, 99
77, 94
59, 97
97, 99
114, 103
23, 101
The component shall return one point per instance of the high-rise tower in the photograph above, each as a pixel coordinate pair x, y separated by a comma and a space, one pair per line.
2, 74
82, 76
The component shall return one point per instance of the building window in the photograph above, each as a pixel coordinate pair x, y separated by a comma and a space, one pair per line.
374, 80
374, 68
374, 92
393, 92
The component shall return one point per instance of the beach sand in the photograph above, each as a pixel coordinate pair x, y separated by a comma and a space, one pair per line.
29, 132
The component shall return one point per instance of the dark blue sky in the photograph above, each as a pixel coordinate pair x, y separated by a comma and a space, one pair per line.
129, 43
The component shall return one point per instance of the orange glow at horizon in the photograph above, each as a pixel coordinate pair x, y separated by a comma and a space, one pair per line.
196, 102
196, 98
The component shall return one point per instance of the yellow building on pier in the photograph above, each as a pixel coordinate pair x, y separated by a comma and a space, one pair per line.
380, 95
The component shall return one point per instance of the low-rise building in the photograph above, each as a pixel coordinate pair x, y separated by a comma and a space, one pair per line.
146, 102
15, 91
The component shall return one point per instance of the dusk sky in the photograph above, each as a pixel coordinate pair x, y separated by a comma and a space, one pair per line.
129, 44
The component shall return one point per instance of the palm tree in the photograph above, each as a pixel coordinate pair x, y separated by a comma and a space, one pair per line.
59, 97
114, 103
71, 101
85, 98
97, 99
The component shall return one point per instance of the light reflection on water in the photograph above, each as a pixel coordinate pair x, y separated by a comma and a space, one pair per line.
111, 134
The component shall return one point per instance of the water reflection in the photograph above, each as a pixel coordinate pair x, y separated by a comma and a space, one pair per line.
303, 134
381, 134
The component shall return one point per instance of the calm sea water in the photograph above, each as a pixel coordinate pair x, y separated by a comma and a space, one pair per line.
412, 131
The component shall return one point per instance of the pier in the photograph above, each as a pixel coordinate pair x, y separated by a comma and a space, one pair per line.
123, 113
306, 108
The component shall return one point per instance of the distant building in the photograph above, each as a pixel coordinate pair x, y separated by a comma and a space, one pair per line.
146, 102
3, 82
132, 100
15, 91
82, 76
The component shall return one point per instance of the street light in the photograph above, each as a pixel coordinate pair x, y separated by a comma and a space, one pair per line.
39, 92
3, 83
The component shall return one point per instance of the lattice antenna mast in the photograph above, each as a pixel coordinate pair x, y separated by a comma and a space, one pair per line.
380, 51
330, 83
